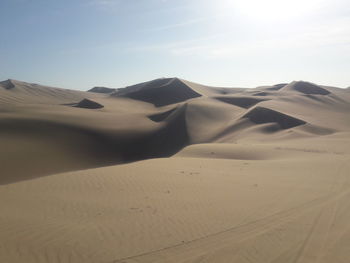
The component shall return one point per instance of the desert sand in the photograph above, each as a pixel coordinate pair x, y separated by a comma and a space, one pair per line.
173, 171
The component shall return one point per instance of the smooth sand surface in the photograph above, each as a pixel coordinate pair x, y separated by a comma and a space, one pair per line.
208, 175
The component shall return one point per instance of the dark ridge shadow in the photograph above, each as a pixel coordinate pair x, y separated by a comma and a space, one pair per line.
103, 90
7, 84
142, 86
262, 93
164, 142
313, 97
34, 148
227, 91
160, 92
277, 86
243, 102
61, 147
309, 88
261, 115
339, 99
88, 104
161, 116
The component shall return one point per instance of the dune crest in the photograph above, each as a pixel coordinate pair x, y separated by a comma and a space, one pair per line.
160, 92
158, 117
88, 104
306, 88
277, 86
7, 84
15, 91
103, 90
262, 93
244, 102
260, 115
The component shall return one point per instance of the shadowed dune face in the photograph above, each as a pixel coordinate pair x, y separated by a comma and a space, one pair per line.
7, 84
307, 88
103, 90
143, 86
48, 147
159, 92
244, 102
33, 148
161, 116
277, 86
36, 118
163, 142
261, 115
262, 93
88, 104
246, 182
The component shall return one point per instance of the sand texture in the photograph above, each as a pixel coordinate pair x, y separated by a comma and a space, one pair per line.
173, 171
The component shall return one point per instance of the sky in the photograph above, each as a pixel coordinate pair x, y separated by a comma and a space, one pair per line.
78, 44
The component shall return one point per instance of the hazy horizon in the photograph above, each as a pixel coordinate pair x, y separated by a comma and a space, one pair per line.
114, 43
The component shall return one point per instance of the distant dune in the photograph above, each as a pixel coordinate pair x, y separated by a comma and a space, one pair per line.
306, 88
7, 84
152, 119
88, 104
174, 171
261, 115
159, 92
101, 90
244, 102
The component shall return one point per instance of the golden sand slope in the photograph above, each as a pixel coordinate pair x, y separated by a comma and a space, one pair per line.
291, 205
258, 175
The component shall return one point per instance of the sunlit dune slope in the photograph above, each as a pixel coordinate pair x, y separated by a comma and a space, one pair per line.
50, 130
173, 171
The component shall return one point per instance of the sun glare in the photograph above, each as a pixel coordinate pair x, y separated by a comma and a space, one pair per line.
269, 10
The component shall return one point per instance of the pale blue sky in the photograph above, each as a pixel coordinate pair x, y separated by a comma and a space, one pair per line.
78, 44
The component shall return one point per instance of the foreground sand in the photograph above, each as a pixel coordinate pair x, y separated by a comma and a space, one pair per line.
235, 191
293, 207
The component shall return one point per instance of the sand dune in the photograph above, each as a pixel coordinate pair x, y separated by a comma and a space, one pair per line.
306, 88
135, 131
174, 171
277, 86
158, 117
261, 115
88, 104
159, 92
101, 90
244, 102
8, 84
262, 93
13, 91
